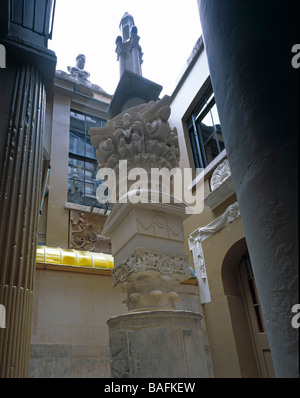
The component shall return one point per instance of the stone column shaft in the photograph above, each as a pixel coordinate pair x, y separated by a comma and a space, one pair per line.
19, 207
248, 45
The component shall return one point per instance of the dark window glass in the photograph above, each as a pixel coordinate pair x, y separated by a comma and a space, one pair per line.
82, 183
245, 262
205, 131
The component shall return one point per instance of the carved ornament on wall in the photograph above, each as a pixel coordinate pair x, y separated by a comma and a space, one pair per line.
220, 174
85, 233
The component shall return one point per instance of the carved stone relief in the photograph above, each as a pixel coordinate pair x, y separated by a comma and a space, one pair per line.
162, 224
141, 135
85, 232
220, 174
195, 245
150, 277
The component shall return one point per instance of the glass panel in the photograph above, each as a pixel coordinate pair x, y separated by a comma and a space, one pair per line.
252, 288
28, 14
248, 267
220, 138
82, 173
211, 150
259, 318
90, 172
210, 139
203, 103
90, 190
215, 115
40, 11
206, 131
93, 122
90, 150
17, 11
252, 291
76, 169
77, 143
75, 191
90, 195
77, 122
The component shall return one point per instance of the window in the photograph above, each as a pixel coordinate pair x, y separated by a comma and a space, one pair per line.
205, 131
246, 268
82, 183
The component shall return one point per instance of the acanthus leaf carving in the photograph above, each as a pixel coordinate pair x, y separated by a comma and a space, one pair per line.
143, 260
220, 174
138, 136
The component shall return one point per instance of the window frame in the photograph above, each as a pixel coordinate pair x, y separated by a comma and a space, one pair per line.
86, 159
197, 143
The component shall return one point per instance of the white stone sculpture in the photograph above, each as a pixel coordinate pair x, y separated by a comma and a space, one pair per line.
220, 174
195, 245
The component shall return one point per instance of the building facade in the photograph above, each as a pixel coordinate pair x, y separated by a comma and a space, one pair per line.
215, 238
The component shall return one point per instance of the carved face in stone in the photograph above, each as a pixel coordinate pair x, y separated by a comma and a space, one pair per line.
80, 61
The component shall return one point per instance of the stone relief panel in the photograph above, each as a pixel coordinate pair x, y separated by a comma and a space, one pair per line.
159, 223
85, 232
150, 278
221, 173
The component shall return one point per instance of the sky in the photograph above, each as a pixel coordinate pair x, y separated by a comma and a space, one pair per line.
168, 30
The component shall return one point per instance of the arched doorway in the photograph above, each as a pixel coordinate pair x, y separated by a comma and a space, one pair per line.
247, 322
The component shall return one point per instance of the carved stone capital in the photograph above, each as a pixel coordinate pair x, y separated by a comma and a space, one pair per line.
150, 277
141, 135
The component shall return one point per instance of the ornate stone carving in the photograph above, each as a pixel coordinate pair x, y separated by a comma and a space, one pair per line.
195, 245
78, 75
141, 135
85, 233
78, 70
160, 224
150, 277
220, 174
231, 213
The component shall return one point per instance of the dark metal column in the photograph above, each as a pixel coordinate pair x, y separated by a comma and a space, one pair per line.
19, 203
29, 73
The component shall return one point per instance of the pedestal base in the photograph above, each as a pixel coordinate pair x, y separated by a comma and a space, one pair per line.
157, 344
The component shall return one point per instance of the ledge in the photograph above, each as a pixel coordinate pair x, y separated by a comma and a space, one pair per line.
70, 268
86, 209
220, 194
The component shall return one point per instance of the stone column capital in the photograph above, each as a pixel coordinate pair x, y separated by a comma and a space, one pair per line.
149, 277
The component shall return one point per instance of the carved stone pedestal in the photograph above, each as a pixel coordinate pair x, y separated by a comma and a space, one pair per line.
157, 344
153, 339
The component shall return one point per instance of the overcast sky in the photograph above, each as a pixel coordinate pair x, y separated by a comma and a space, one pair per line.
168, 30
